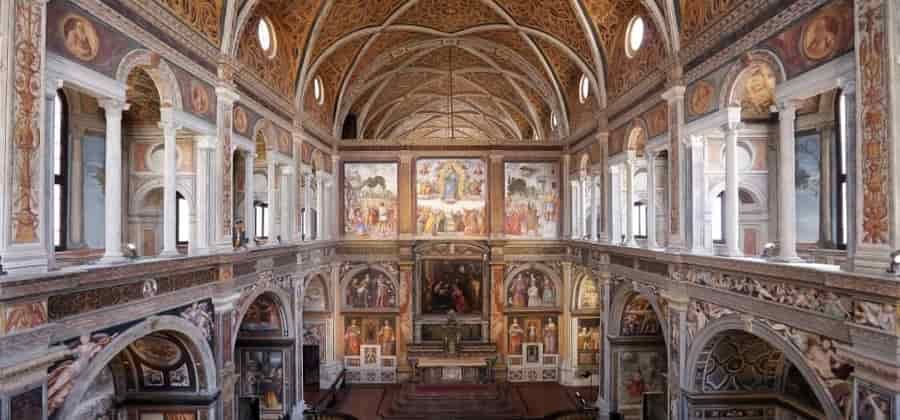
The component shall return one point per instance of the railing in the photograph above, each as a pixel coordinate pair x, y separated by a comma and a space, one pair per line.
323, 408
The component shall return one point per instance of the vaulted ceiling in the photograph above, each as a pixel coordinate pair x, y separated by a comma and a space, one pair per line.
485, 69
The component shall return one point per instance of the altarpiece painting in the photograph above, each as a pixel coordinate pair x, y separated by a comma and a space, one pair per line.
450, 197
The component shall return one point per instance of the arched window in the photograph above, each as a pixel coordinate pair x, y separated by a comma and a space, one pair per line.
182, 220
318, 90
60, 170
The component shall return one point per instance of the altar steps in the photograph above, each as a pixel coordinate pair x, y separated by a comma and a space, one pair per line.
458, 402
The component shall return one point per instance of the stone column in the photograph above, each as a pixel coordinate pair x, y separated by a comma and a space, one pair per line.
113, 179
576, 209
676, 187
249, 208
604, 282
308, 180
271, 200
565, 200
696, 155
629, 202
286, 204
651, 200
337, 215
603, 189
613, 210
170, 184
587, 200
406, 212
787, 194
227, 377
594, 184
320, 207
205, 146
732, 199
677, 342
223, 195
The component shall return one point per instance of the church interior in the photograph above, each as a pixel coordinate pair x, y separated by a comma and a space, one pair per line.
449, 209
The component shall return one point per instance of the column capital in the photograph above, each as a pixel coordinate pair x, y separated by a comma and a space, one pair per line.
602, 136
788, 106
695, 140
847, 86
227, 95
674, 94
206, 141
731, 127
113, 105
496, 157
286, 169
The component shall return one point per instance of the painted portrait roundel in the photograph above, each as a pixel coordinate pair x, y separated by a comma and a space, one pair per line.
820, 37
701, 98
80, 37
199, 98
240, 120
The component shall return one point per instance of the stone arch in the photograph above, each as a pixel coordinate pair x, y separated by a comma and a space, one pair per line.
190, 334
183, 186
158, 70
762, 330
738, 71
743, 187
347, 277
543, 268
623, 296
280, 297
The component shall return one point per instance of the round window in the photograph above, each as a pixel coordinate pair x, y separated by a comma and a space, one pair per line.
318, 91
266, 37
584, 88
635, 36
554, 120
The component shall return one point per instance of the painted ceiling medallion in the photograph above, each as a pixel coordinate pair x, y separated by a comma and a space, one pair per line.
81, 38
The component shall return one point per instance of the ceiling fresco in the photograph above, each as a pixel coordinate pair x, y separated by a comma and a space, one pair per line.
529, 56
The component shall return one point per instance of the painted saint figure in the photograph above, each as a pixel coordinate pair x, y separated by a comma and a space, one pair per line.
515, 337
534, 298
548, 297
550, 337
352, 339
386, 339
519, 292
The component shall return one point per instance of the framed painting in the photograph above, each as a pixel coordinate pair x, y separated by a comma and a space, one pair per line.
450, 197
532, 200
370, 200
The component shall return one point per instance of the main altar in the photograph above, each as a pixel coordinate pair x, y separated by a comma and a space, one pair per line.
452, 361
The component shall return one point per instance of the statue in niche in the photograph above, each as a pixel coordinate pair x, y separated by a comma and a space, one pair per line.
550, 340
516, 333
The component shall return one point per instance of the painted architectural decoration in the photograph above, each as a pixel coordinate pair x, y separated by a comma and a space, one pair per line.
532, 289
639, 318
264, 317
536, 328
161, 363
370, 200
315, 334
450, 197
639, 372
370, 289
360, 331
315, 295
263, 376
588, 294
755, 91
588, 342
532, 199
452, 285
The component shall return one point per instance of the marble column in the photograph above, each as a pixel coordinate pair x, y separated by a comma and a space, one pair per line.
308, 180
677, 169
170, 186
271, 201
696, 155
286, 202
223, 194
113, 179
593, 183
249, 208
629, 202
732, 196
320, 207
651, 200
827, 182
603, 189
576, 207
587, 200
787, 194
205, 146
614, 213
565, 197
605, 385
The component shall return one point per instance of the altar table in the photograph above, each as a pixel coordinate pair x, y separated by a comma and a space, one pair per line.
442, 370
